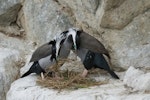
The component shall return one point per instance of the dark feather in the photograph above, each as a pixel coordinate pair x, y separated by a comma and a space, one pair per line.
41, 52
96, 60
53, 50
100, 62
26, 74
35, 68
113, 74
91, 43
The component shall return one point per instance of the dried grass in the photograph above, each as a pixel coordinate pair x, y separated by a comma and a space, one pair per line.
57, 65
68, 80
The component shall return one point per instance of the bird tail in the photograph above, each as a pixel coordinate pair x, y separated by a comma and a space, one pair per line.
35, 68
113, 74
26, 74
31, 70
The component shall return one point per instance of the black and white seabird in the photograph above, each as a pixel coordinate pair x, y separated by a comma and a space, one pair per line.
86, 41
90, 51
46, 55
93, 60
42, 58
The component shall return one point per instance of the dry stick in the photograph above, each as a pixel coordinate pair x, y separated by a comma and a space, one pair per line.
61, 85
71, 81
57, 65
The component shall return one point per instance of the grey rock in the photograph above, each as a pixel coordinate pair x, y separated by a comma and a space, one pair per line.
86, 13
121, 16
91, 5
5, 4
137, 79
21, 45
112, 4
10, 16
9, 70
130, 46
8, 21
27, 89
43, 20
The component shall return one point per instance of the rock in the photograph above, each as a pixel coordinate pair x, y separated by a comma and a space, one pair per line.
137, 79
10, 16
23, 46
43, 20
112, 4
27, 89
9, 69
8, 21
130, 46
11, 30
86, 13
118, 18
5, 4
91, 6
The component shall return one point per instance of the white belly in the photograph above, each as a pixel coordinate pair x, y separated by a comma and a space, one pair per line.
46, 62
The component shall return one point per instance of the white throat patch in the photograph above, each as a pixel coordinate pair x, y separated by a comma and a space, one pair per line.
73, 33
58, 39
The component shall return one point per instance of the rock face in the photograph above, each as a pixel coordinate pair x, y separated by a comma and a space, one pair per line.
121, 25
86, 13
26, 89
119, 14
137, 79
130, 46
5, 4
43, 20
8, 22
8, 69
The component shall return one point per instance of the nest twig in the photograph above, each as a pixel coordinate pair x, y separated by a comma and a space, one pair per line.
68, 80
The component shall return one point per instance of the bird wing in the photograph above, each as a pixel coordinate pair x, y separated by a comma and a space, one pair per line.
41, 52
89, 42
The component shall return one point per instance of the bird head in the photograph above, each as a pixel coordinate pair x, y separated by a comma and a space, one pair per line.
58, 39
52, 42
72, 32
68, 34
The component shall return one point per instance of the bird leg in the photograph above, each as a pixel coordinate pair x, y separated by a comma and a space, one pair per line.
84, 73
42, 76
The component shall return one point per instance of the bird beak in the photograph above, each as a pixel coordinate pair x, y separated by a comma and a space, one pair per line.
73, 33
58, 39
74, 41
57, 48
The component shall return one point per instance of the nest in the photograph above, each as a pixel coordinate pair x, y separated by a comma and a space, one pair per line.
68, 80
